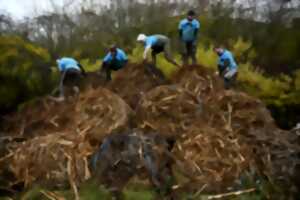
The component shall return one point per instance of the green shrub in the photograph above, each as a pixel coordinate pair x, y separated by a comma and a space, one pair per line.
90, 66
24, 71
207, 57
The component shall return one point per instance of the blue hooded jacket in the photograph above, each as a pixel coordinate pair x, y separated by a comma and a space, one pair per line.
227, 55
119, 61
151, 41
120, 56
67, 63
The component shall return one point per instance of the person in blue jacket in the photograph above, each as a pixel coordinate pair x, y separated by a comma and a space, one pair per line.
158, 44
71, 73
228, 69
188, 34
115, 59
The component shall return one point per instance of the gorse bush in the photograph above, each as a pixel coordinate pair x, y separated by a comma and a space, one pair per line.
91, 66
24, 71
207, 57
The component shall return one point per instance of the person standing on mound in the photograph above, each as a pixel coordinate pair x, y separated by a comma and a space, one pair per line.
188, 34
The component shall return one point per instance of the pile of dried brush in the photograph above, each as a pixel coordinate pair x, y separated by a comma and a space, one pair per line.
51, 160
168, 110
221, 136
97, 111
101, 112
130, 83
267, 150
214, 157
57, 138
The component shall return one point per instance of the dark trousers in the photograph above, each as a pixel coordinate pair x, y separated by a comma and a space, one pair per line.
153, 70
166, 48
114, 65
189, 51
69, 77
228, 82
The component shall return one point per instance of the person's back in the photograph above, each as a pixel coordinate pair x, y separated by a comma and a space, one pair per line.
161, 39
71, 73
121, 55
156, 44
66, 63
228, 57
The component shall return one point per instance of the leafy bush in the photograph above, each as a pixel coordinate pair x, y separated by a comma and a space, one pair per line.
90, 66
207, 57
24, 71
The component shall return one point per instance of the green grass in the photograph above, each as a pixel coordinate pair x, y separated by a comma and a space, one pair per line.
137, 191
91, 192
139, 195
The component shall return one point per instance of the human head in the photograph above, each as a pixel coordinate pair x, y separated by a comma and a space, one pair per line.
191, 15
219, 50
113, 49
141, 37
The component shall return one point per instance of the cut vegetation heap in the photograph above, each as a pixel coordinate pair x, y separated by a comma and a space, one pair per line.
218, 137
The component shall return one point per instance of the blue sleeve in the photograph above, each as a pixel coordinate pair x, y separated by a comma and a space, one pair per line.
149, 42
233, 64
230, 56
107, 58
123, 55
197, 24
61, 66
180, 27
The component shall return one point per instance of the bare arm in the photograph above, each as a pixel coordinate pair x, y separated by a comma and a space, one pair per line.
147, 49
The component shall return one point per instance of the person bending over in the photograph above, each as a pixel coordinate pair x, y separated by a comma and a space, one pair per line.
115, 59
